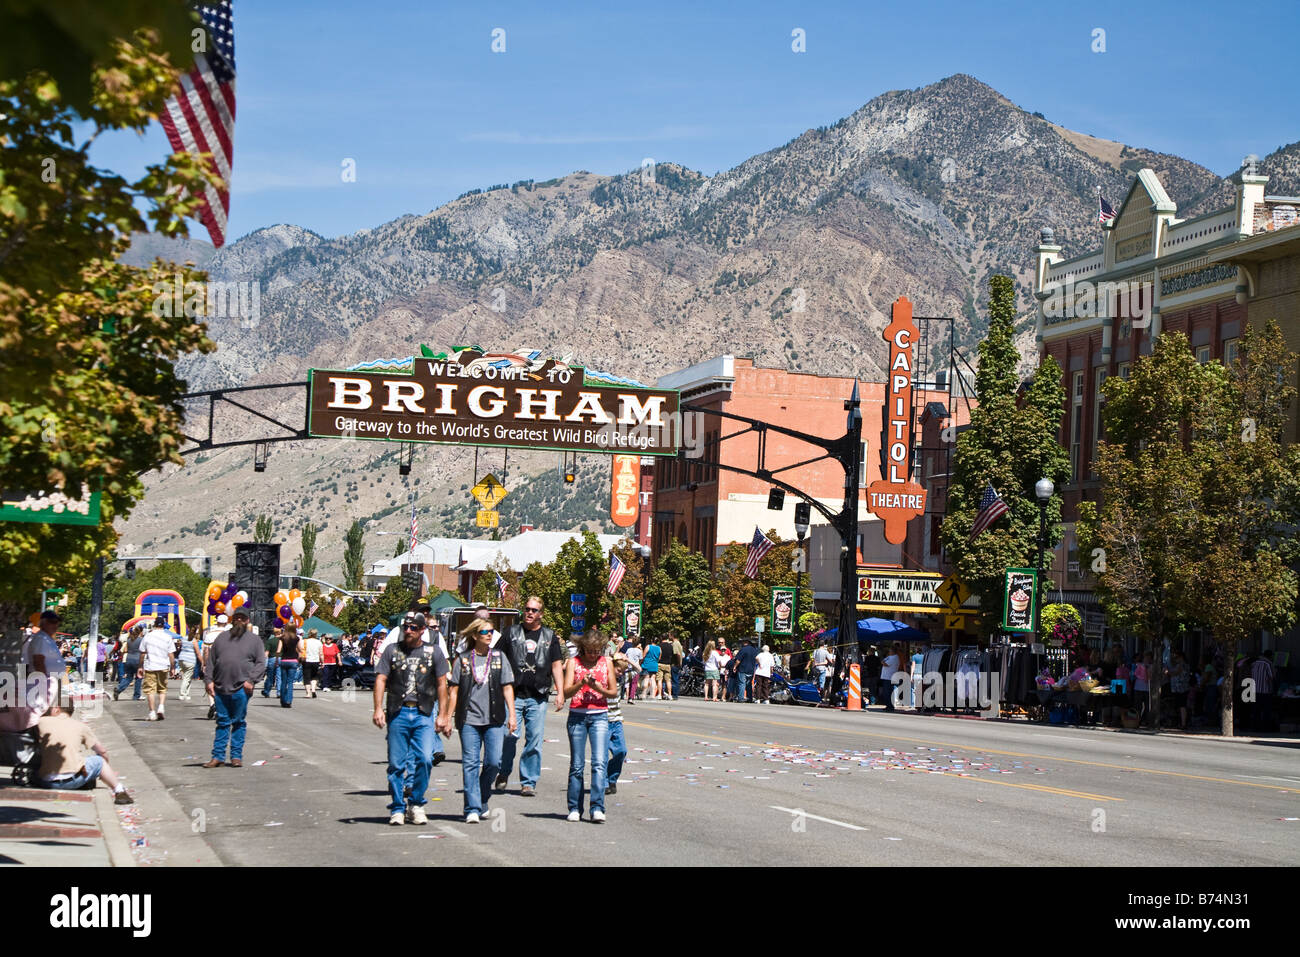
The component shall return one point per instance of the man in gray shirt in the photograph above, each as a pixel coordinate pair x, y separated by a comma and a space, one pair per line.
235, 664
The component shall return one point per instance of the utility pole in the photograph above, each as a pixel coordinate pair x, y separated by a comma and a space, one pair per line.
846, 523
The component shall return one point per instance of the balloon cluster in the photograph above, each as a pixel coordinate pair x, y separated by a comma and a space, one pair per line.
289, 606
225, 599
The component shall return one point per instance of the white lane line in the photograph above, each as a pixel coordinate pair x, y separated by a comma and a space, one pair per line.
448, 829
1265, 777
824, 820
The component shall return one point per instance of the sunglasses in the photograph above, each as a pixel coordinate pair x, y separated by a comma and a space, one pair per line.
411, 627
535, 611
485, 631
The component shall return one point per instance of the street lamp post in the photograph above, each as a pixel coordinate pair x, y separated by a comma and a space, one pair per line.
644, 552
1043, 490
802, 514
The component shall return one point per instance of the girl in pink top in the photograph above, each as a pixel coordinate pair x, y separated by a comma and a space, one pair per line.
589, 683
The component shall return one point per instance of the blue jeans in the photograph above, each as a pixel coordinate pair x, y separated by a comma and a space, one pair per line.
480, 760
745, 685
413, 756
530, 715
410, 755
289, 673
677, 679
82, 779
617, 751
231, 711
585, 726
272, 672
128, 670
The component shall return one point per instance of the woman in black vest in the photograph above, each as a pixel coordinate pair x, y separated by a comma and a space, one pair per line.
483, 701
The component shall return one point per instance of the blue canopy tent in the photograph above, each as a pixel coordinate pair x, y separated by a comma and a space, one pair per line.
880, 629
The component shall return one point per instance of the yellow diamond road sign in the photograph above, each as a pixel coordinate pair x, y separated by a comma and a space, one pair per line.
489, 492
953, 592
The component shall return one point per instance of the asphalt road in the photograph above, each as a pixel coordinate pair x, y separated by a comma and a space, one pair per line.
710, 783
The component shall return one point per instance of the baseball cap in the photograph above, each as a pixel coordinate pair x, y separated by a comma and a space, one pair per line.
223, 620
160, 622
240, 613
414, 619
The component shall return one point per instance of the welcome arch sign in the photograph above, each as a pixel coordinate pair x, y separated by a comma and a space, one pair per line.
473, 397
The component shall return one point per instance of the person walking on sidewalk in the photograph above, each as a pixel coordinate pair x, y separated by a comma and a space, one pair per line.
287, 651
763, 674
188, 659
483, 702
617, 743
236, 662
537, 660
746, 663
313, 651
272, 645
410, 692
130, 669
589, 683
65, 766
157, 662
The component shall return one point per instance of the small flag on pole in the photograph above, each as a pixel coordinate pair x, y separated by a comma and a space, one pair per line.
338, 606
991, 509
501, 589
313, 609
616, 571
1105, 212
759, 547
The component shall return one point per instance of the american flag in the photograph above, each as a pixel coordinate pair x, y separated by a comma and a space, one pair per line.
313, 609
616, 572
1105, 212
501, 589
991, 509
338, 605
759, 547
200, 115
415, 528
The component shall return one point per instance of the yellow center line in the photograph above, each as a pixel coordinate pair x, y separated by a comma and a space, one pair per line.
1046, 789
1018, 754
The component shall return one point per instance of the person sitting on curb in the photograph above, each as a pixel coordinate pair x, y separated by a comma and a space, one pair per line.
64, 765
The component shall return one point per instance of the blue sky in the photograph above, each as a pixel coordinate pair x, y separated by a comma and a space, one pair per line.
413, 93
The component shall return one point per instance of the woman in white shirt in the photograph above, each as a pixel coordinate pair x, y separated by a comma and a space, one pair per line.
313, 651
712, 671
892, 663
763, 675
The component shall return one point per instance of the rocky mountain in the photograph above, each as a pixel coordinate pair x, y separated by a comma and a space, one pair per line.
792, 257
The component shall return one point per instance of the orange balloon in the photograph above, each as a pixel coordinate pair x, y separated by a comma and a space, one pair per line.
235, 602
214, 591
297, 620
281, 598
221, 607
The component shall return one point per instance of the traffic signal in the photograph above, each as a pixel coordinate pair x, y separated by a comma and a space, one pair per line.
130, 570
776, 499
802, 514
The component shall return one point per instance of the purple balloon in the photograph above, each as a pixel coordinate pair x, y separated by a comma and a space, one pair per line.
230, 592
212, 606
286, 612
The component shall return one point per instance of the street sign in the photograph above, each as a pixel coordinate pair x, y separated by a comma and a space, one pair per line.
1019, 599
488, 519
489, 492
759, 624
955, 622
953, 592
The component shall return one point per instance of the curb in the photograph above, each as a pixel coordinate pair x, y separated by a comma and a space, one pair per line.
184, 847
119, 851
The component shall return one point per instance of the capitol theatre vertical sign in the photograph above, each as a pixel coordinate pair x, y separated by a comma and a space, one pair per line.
896, 499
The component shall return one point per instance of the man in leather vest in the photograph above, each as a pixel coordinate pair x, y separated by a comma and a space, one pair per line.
410, 685
537, 659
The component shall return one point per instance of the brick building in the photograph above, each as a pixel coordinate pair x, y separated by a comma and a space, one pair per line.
710, 508
1208, 277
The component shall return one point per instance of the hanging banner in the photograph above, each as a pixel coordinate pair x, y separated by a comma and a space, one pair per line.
632, 621
1018, 599
896, 499
624, 495
471, 397
783, 610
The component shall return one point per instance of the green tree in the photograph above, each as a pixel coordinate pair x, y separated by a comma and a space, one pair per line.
579, 567
89, 396
354, 556
263, 529
1011, 443
1200, 497
681, 596
485, 589
741, 599
307, 566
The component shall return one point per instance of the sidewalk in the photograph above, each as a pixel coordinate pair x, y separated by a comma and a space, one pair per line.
45, 828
